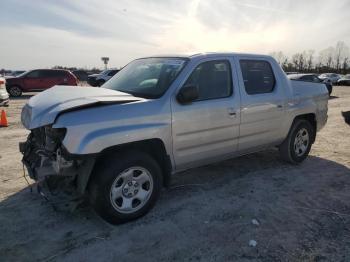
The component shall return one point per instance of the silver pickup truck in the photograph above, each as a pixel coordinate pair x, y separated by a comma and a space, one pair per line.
121, 143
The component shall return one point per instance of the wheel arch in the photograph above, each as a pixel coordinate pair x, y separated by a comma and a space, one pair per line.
14, 85
311, 118
154, 147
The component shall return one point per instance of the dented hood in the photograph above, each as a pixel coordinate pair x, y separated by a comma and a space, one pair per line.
43, 108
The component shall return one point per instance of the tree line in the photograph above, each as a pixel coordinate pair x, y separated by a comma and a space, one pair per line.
334, 59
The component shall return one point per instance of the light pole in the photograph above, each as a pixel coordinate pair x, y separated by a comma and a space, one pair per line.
105, 61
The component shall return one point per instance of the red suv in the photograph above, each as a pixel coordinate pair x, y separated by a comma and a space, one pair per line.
39, 80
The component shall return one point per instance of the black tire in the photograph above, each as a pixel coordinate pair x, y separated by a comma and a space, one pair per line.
101, 82
287, 148
14, 91
105, 175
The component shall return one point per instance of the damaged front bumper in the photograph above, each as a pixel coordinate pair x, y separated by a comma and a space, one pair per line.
45, 159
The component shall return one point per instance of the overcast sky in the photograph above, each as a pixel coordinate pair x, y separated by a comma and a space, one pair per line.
43, 33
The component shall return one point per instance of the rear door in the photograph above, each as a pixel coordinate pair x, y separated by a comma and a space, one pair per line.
55, 77
207, 129
262, 104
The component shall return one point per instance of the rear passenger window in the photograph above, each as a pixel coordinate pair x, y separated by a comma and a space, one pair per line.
60, 73
46, 73
213, 79
257, 76
307, 78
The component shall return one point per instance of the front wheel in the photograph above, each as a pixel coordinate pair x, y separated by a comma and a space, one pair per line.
14, 91
297, 145
125, 187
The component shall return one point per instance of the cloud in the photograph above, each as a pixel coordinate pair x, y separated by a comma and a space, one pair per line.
77, 33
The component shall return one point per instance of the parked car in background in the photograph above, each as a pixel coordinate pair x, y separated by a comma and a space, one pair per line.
344, 81
161, 115
331, 76
312, 78
4, 96
81, 75
101, 78
39, 80
16, 73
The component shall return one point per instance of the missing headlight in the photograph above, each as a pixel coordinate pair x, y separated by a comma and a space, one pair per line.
56, 134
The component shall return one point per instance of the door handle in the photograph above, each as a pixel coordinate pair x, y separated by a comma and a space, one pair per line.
231, 112
279, 106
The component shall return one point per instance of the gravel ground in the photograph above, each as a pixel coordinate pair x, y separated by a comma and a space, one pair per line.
303, 212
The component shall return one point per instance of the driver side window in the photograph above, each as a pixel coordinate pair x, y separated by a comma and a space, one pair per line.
34, 74
213, 79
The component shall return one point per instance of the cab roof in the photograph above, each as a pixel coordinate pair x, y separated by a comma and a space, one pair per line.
207, 54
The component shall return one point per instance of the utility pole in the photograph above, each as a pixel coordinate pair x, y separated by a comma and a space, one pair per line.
105, 61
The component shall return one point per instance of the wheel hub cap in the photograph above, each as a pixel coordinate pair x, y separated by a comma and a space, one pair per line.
301, 142
131, 189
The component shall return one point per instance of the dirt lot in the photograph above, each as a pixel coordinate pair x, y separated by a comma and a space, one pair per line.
303, 211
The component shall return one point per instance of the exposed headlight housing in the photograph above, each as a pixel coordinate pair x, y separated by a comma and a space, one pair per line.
56, 134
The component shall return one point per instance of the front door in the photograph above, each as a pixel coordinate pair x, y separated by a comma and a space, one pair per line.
34, 81
208, 128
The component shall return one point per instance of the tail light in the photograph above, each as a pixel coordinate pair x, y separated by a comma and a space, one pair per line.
76, 80
2, 83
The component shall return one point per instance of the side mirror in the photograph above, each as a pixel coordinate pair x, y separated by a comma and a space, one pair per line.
187, 94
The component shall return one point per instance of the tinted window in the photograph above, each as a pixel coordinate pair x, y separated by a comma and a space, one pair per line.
60, 73
213, 79
33, 74
48, 73
112, 72
316, 79
308, 78
257, 76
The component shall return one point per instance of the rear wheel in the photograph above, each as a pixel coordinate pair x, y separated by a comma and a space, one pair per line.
127, 189
297, 145
14, 91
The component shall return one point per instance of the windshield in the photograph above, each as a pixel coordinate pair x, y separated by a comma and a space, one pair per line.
148, 77
22, 74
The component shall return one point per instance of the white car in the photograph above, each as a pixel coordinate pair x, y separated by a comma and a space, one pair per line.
331, 76
4, 96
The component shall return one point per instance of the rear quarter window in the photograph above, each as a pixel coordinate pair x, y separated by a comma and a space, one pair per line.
258, 76
61, 73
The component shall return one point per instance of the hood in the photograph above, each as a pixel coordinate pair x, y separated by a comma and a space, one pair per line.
323, 77
94, 75
43, 108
